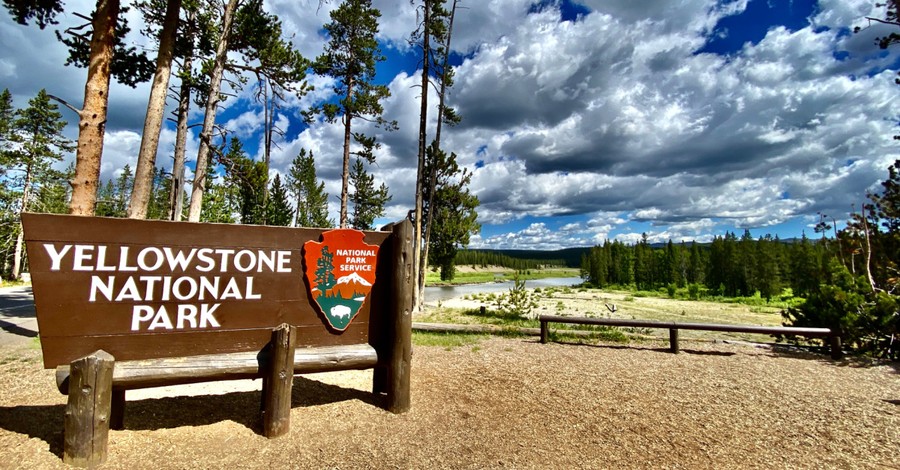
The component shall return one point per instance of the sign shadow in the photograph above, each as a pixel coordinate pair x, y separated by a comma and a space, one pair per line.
44, 422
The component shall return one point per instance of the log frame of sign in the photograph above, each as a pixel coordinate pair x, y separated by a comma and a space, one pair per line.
98, 382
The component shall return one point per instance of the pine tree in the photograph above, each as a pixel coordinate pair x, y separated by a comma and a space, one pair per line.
158, 206
112, 198
279, 211
325, 271
7, 113
310, 197
221, 200
249, 179
53, 195
368, 202
350, 57
452, 211
766, 274
124, 183
37, 142
106, 196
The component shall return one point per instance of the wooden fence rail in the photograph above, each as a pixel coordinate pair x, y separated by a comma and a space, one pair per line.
673, 327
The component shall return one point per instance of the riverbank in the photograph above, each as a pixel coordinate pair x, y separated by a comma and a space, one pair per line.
588, 302
466, 275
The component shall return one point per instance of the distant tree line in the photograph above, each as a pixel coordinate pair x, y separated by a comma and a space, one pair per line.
485, 258
729, 266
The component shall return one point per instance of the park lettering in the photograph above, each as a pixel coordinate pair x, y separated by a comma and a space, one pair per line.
166, 274
355, 260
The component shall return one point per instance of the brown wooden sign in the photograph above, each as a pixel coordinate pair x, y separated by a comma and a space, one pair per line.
149, 289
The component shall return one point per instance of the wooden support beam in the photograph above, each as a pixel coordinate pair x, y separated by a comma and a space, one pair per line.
132, 375
88, 410
379, 380
280, 380
117, 416
544, 332
399, 322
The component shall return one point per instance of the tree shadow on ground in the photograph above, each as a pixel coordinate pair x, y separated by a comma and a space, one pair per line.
307, 392
240, 407
638, 347
823, 355
17, 304
14, 329
44, 422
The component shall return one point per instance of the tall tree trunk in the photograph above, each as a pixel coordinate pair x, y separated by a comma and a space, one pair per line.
420, 172
20, 238
345, 174
209, 119
156, 106
269, 115
92, 118
432, 183
176, 192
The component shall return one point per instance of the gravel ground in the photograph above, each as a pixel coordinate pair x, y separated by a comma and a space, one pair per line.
505, 403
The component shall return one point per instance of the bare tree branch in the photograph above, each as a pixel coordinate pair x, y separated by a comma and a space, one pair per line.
65, 103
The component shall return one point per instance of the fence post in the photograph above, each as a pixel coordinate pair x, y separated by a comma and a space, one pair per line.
280, 374
88, 410
400, 319
673, 340
544, 331
836, 350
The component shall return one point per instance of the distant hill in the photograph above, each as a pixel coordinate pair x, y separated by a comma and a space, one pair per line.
569, 257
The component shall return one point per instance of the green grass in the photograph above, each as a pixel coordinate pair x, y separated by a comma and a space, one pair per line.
481, 276
558, 334
491, 317
8, 283
446, 340
782, 301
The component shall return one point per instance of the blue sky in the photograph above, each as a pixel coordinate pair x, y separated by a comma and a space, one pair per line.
586, 121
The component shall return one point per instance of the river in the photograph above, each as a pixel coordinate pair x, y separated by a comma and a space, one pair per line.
436, 293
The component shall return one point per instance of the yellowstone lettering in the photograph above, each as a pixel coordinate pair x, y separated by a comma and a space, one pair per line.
194, 279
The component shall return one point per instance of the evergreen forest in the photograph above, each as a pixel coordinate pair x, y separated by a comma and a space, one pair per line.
849, 281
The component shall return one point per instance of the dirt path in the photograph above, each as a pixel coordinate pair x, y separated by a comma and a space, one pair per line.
506, 403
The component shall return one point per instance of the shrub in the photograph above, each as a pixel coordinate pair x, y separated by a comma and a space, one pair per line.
518, 302
867, 320
670, 290
694, 291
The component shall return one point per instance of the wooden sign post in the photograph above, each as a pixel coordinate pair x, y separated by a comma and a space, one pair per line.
169, 303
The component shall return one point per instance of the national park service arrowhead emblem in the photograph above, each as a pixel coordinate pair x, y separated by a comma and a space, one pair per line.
340, 271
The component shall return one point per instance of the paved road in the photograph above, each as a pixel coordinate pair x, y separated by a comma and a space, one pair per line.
17, 320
